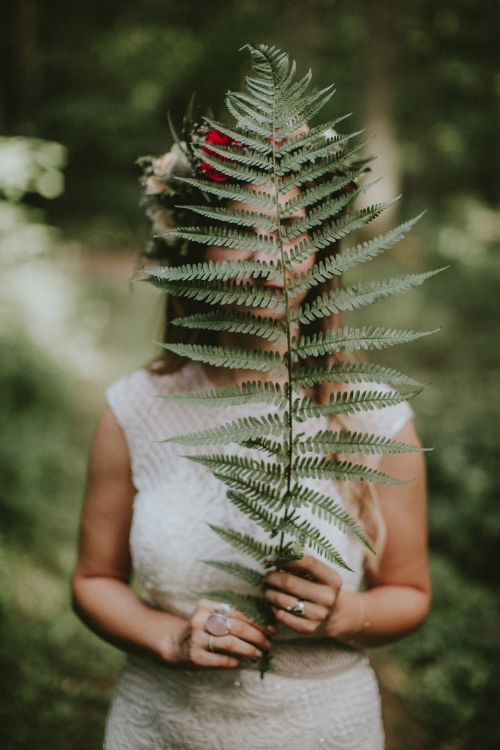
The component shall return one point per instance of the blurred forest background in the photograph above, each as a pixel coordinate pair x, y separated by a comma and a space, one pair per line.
85, 88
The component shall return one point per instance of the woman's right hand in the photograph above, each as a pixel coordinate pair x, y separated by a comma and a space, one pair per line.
247, 638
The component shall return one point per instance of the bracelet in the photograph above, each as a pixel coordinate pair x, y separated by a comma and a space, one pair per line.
363, 619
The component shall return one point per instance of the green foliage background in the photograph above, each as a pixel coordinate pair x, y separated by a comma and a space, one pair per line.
99, 78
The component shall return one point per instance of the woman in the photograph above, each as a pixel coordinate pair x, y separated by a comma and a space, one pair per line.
148, 509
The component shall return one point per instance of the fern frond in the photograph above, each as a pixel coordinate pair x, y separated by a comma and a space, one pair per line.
245, 137
326, 441
350, 339
267, 520
350, 372
329, 163
219, 292
307, 138
256, 608
232, 357
316, 216
247, 428
350, 403
333, 232
234, 170
313, 195
223, 237
219, 271
235, 322
354, 297
315, 150
272, 497
325, 507
239, 217
234, 467
249, 575
351, 257
233, 192
309, 534
236, 155
244, 543
323, 468
234, 395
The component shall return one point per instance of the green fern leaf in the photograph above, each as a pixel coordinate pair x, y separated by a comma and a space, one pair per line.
245, 137
247, 428
219, 292
234, 216
244, 543
219, 271
326, 441
225, 238
313, 195
323, 468
351, 257
236, 171
324, 507
233, 192
233, 395
231, 357
249, 575
350, 403
338, 340
309, 534
362, 294
235, 322
350, 372
235, 467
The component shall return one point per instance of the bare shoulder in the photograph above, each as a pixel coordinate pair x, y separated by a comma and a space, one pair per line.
107, 511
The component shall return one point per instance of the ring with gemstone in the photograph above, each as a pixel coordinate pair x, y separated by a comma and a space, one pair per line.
297, 609
219, 623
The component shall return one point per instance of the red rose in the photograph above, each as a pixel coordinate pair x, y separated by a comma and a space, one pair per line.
219, 139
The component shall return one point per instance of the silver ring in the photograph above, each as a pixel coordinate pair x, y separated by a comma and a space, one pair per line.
211, 643
297, 609
222, 609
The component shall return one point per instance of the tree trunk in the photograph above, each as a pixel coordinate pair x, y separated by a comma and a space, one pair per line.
380, 111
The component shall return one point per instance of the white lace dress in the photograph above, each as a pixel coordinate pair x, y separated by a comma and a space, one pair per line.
322, 695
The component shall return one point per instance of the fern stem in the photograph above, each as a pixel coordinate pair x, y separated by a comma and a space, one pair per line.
288, 329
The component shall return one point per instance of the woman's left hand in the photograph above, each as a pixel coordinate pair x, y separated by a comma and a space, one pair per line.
309, 581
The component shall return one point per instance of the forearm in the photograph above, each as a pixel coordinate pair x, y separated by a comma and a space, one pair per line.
378, 616
113, 611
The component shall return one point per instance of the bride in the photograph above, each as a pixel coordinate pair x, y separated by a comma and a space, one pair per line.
186, 685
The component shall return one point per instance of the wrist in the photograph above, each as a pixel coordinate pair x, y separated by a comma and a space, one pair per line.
169, 646
350, 617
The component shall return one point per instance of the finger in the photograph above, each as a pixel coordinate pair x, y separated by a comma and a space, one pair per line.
207, 607
203, 658
234, 645
301, 588
315, 568
299, 624
311, 611
251, 634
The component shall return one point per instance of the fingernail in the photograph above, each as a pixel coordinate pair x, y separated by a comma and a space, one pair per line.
271, 629
268, 644
257, 652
